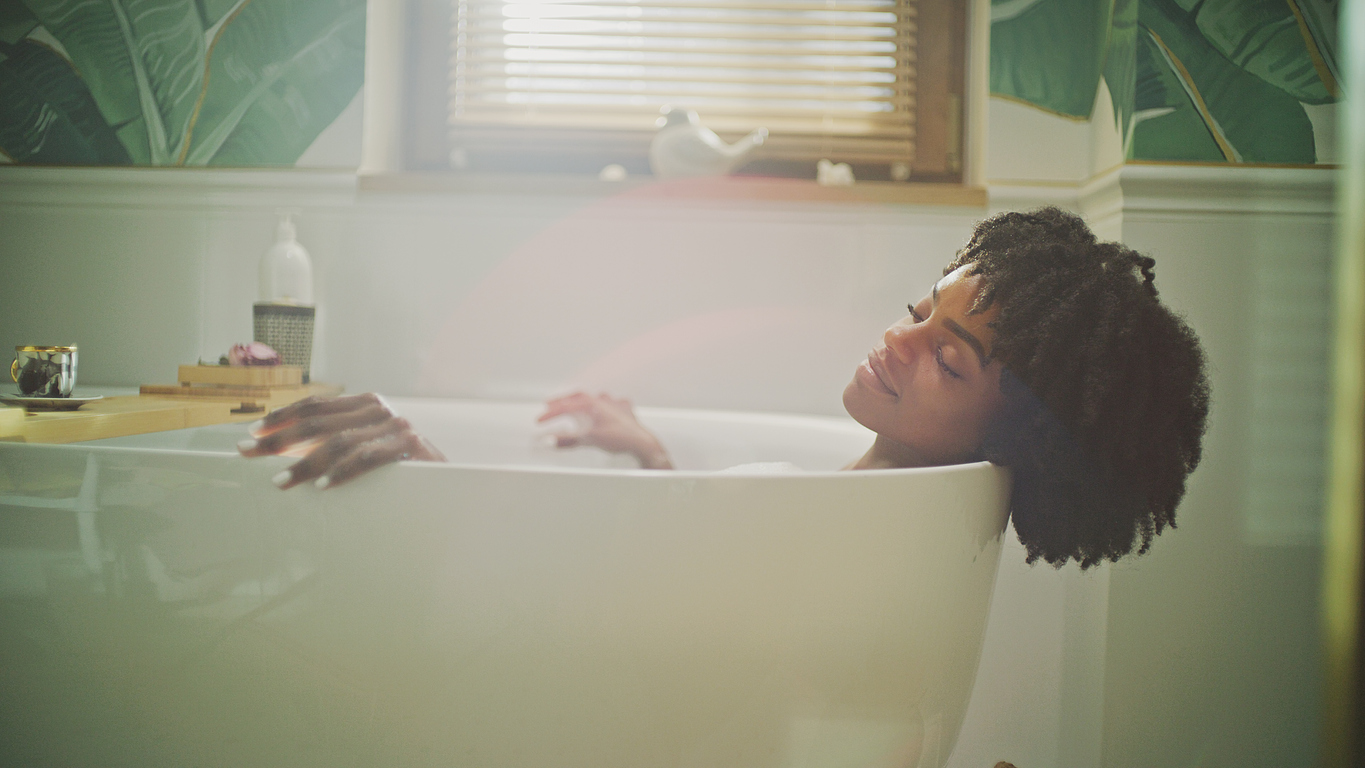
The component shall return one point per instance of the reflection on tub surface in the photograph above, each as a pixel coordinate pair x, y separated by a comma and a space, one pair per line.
171, 607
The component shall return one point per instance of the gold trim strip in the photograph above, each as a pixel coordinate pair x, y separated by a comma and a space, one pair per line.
204, 88
1243, 164
1045, 110
33, 348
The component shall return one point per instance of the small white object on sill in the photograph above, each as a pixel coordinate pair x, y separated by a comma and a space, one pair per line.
683, 147
612, 172
829, 174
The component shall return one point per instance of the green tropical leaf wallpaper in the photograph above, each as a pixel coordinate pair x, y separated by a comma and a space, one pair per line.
47, 113
174, 82
1055, 54
253, 82
1120, 60
1190, 80
15, 22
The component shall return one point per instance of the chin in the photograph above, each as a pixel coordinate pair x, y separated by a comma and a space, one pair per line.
855, 407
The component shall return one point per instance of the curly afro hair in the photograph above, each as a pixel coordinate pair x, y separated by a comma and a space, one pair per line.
1106, 396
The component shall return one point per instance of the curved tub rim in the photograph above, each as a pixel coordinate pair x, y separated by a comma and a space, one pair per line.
690, 474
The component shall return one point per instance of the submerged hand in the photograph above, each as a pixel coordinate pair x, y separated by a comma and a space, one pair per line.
341, 438
612, 426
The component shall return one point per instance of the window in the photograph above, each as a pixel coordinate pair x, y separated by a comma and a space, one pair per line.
572, 85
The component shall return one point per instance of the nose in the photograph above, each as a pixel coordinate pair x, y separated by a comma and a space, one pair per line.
902, 339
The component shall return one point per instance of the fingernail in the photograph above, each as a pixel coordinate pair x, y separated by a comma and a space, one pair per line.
282, 478
322, 482
246, 445
255, 426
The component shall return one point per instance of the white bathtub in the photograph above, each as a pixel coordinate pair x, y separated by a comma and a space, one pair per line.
161, 604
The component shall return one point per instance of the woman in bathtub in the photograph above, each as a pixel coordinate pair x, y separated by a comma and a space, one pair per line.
1041, 349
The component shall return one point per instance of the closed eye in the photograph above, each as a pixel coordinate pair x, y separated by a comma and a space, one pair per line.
913, 314
938, 355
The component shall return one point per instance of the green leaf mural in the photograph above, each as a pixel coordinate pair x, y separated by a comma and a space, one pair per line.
192, 82
1062, 44
1120, 61
16, 21
1190, 80
1161, 101
1247, 119
214, 11
1264, 38
47, 114
143, 59
1318, 23
268, 115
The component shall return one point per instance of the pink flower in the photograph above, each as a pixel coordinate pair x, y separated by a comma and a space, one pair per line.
254, 353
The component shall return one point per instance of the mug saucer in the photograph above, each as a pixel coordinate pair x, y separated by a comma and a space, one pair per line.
34, 403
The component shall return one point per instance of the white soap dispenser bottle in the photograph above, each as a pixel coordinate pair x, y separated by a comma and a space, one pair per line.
286, 275
283, 318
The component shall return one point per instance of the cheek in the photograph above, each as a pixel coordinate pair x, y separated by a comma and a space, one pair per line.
950, 428
945, 427
860, 406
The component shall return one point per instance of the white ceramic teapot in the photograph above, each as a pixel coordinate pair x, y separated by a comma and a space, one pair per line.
684, 147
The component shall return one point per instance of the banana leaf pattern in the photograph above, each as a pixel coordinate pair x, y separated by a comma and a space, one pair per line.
253, 82
1190, 80
174, 82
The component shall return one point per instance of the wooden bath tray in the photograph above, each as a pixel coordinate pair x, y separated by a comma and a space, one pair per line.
242, 375
138, 414
249, 398
254, 387
119, 416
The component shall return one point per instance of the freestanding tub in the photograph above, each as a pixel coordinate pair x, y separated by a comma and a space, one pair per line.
162, 604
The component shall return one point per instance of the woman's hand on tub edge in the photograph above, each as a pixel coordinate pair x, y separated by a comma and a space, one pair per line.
612, 426
343, 437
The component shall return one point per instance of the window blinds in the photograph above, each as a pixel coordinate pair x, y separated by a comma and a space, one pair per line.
828, 78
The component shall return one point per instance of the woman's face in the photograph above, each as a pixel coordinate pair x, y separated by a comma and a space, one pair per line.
930, 387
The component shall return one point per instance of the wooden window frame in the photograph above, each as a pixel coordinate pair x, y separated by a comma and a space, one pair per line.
940, 131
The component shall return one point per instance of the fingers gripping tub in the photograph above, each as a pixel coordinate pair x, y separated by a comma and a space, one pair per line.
163, 604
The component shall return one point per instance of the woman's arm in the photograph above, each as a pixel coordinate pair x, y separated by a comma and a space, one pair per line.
343, 437
612, 426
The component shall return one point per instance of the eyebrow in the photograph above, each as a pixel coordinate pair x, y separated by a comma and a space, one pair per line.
966, 335
963, 333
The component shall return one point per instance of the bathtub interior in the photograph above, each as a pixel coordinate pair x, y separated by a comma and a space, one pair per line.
490, 433
167, 607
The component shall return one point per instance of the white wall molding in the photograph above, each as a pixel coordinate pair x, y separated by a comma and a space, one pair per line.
1104, 199
1099, 200
175, 187
1210, 189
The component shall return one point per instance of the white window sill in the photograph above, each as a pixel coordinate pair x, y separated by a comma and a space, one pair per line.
728, 188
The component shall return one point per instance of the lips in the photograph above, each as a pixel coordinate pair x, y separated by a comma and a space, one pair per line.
881, 378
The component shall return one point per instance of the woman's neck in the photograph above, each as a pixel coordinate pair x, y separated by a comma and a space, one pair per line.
888, 454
